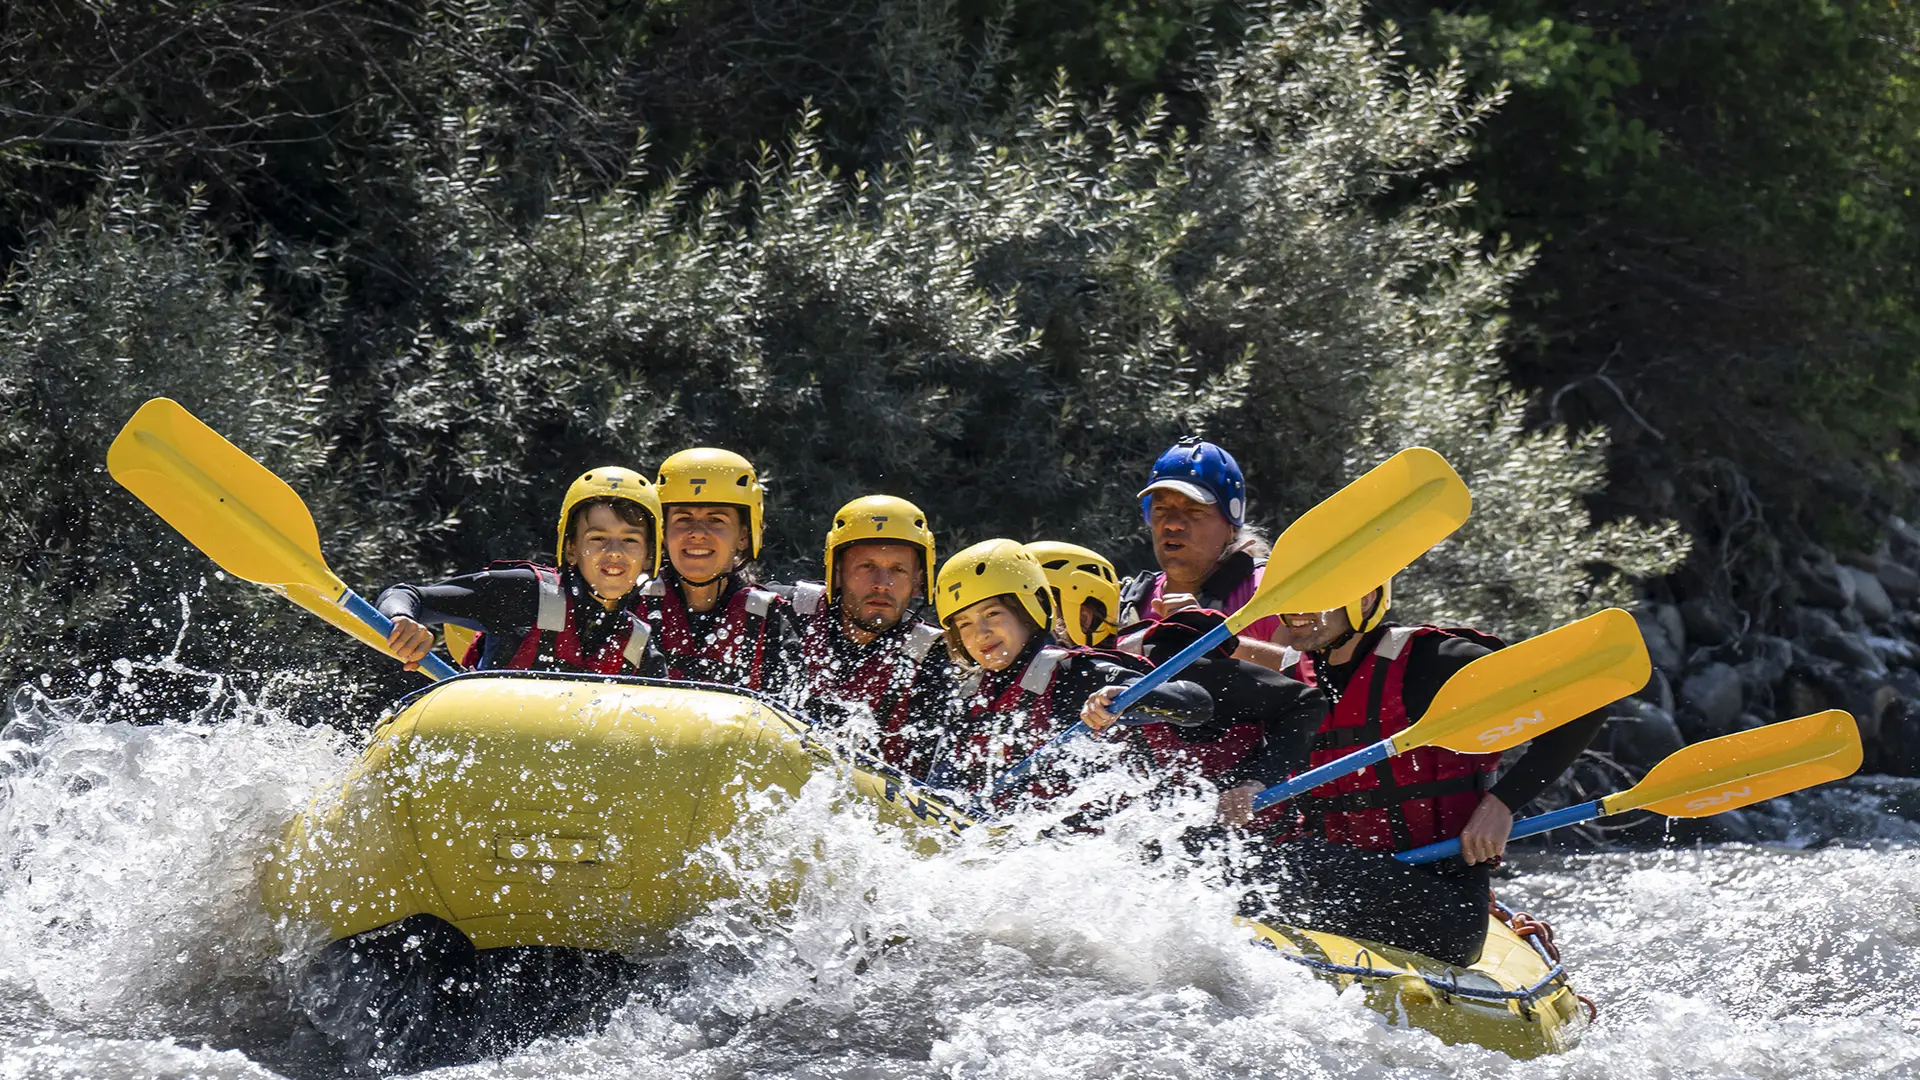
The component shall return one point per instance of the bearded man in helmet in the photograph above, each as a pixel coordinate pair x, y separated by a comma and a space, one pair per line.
1195, 506
864, 656
576, 616
1329, 862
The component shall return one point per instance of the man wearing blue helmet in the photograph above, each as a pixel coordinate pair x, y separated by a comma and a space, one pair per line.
1195, 506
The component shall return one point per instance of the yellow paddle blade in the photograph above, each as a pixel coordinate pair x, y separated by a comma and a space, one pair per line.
1743, 768
1508, 696
459, 640
224, 502
1363, 534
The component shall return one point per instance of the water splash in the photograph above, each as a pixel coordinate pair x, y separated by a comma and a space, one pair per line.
128, 904
130, 935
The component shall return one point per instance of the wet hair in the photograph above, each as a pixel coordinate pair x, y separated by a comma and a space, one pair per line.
625, 509
1251, 539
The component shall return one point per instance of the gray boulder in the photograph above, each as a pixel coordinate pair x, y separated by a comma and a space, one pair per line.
1849, 649
1904, 540
1670, 620
1708, 621
1820, 580
1666, 656
1640, 733
1715, 693
1869, 598
1774, 652
1901, 583
1807, 623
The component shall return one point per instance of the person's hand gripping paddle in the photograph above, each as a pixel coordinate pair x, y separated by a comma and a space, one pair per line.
1712, 777
1343, 548
1506, 697
243, 516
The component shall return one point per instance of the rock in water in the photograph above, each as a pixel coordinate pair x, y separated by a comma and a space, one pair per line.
1714, 693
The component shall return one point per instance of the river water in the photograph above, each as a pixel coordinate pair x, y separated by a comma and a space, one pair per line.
131, 943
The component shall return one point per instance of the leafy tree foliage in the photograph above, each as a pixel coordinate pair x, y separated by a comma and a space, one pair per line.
1002, 304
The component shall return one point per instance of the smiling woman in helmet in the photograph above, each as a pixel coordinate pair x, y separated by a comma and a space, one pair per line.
996, 605
711, 620
577, 616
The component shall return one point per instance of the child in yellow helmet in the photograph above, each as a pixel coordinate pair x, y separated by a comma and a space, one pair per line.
711, 620
577, 616
996, 605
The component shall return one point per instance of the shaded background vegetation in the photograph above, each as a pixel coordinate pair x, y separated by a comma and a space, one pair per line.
430, 259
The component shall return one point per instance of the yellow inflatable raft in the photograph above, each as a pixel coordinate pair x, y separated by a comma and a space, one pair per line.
533, 809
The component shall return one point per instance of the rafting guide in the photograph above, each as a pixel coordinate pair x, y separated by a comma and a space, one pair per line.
578, 798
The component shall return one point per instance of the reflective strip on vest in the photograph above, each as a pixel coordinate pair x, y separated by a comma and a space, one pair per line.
920, 639
807, 596
637, 638
553, 602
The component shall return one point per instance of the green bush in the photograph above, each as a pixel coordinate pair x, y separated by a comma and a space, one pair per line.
1005, 318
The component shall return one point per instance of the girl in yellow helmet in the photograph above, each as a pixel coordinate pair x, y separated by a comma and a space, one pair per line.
996, 605
711, 620
578, 616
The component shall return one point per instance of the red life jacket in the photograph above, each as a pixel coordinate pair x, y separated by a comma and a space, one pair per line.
1420, 797
553, 642
1182, 760
733, 654
1004, 728
882, 680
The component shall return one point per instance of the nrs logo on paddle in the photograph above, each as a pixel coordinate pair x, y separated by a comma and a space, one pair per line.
1519, 724
1721, 799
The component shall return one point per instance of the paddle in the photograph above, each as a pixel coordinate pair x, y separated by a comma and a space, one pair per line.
245, 518
1331, 555
1509, 696
1711, 777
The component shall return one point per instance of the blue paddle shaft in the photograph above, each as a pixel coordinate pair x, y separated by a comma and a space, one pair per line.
1332, 770
1539, 823
1128, 698
1051, 747
1175, 664
433, 666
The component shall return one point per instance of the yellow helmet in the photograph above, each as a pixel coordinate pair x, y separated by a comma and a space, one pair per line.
714, 477
1362, 622
988, 569
1078, 575
610, 482
881, 517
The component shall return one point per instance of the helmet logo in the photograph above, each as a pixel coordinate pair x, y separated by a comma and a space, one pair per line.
879, 523
698, 483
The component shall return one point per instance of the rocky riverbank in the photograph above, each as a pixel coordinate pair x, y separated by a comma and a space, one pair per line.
1845, 634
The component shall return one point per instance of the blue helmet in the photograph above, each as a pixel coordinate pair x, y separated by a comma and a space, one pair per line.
1203, 472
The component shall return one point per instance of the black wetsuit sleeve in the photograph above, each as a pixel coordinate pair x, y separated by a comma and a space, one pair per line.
1178, 702
1287, 710
492, 600
1435, 659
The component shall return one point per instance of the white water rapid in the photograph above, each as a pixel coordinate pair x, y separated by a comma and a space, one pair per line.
132, 945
